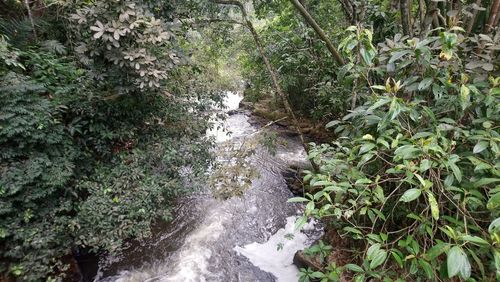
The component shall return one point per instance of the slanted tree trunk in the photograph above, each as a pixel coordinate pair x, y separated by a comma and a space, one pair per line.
319, 31
272, 73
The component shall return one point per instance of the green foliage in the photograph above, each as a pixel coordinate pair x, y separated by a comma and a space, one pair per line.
305, 68
125, 42
93, 152
320, 249
414, 173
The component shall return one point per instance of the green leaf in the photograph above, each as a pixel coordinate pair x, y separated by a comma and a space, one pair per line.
485, 181
354, 267
378, 259
475, 239
434, 205
425, 165
378, 87
317, 274
478, 262
352, 230
427, 268
332, 123
494, 202
410, 195
494, 225
297, 200
464, 96
480, 146
424, 84
366, 147
367, 56
301, 221
397, 55
436, 251
370, 253
322, 183
457, 262
397, 257
456, 171
407, 151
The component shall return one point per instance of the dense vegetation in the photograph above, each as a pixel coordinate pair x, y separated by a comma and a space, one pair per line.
105, 105
102, 115
411, 179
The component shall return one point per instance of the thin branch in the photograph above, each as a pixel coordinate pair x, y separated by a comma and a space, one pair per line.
310, 20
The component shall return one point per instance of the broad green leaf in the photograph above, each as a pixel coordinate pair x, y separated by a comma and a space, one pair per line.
317, 274
434, 205
475, 239
354, 267
366, 147
397, 55
372, 250
407, 151
457, 262
379, 103
456, 171
367, 56
301, 221
480, 146
485, 181
410, 195
332, 123
323, 183
436, 251
494, 225
378, 259
352, 230
397, 258
425, 165
424, 84
494, 202
427, 268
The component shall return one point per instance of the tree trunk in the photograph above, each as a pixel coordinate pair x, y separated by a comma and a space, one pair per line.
472, 20
30, 16
405, 16
348, 9
430, 18
421, 13
310, 20
272, 73
493, 16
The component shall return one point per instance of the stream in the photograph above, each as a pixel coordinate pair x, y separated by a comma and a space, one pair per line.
247, 238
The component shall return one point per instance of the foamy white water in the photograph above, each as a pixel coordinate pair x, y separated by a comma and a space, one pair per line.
226, 240
276, 255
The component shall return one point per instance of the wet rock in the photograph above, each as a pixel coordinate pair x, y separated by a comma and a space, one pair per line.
246, 105
301, 260
233, 112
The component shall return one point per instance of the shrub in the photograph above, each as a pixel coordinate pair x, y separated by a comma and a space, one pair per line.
414, 172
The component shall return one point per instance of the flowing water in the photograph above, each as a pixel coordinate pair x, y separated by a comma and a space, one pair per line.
247, 238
